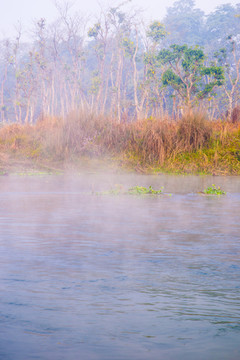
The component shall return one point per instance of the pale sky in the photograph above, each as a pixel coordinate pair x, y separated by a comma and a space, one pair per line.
26, 11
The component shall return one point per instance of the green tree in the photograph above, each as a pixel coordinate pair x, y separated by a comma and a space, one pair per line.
186, 72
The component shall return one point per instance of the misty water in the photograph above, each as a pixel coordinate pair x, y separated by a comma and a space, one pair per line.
86, 276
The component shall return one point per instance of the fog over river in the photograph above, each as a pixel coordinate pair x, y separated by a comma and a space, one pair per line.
86, 276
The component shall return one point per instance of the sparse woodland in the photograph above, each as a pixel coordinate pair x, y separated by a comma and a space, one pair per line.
116, 65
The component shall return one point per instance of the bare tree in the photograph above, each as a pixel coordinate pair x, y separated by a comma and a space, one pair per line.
6, 55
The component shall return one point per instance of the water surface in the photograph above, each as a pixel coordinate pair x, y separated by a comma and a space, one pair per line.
103, 277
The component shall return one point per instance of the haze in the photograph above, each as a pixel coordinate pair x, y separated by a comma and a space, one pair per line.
26, 11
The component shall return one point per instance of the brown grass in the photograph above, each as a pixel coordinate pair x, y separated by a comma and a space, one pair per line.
76, 134
156, 140
147, 142
194, 131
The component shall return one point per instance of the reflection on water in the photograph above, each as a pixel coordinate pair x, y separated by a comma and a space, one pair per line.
99, 277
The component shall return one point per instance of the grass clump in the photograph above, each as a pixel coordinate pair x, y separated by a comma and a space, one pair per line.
141, 190
213, 190
158, 142
194, 132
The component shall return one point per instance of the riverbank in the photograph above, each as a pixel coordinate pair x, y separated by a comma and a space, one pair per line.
193, 145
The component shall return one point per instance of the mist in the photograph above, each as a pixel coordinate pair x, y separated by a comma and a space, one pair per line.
109, 277
113, 65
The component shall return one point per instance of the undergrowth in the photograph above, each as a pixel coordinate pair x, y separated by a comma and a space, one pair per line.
191, 145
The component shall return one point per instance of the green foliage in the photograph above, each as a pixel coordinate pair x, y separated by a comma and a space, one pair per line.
193, 58
151, 59
213, 190
186, 72
128, 46
140, 190
170, 78
173, 55
94, 31
156, 32
216, 73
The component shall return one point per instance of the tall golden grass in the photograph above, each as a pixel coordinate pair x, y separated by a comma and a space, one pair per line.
156, 140
151, 141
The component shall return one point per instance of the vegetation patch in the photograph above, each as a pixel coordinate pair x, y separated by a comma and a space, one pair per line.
213, 190
135, 190
140, 190
191, 145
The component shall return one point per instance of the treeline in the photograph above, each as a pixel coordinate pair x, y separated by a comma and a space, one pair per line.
120, 67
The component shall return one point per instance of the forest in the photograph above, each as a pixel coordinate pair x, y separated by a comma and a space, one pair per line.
121, 71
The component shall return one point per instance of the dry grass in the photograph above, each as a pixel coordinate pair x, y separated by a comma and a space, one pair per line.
15, 137
194, 132
157, 140
77, 134
192, 144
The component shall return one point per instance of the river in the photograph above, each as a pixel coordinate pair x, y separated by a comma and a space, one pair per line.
99, 277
